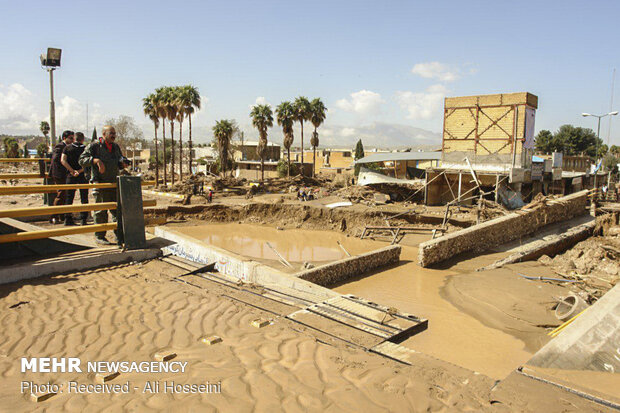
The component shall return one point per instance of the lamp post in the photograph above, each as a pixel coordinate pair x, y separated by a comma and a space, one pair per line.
598, 131
50, 62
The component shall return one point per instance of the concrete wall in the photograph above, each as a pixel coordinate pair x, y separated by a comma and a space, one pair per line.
346, 268
500, 230
591, 342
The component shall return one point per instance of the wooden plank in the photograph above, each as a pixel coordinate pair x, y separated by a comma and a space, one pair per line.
22, 176
47, 233
38, 189
24, 159
64, 209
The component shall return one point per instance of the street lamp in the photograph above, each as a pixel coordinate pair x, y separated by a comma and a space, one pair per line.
50, 62
598, 131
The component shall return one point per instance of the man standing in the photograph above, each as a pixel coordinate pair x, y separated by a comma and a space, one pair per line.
70, 160
58, 173
106, 160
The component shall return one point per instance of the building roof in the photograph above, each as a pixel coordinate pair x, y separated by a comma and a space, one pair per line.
400, 156
253, 143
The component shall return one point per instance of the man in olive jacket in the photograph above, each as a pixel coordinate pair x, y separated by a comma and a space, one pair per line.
105, 159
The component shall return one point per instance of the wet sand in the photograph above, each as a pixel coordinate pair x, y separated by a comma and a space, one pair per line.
295, 245
132, 311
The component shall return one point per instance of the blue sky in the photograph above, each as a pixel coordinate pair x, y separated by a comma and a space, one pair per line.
382, 68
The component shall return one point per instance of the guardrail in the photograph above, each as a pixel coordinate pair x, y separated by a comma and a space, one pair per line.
17, 160
41, 189
128, 203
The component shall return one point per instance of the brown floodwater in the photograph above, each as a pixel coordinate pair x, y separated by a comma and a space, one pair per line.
453, 335
294, 245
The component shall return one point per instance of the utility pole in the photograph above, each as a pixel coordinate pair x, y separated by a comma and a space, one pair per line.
52, 106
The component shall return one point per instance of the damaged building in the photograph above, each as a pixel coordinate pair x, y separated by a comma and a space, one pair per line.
487, 145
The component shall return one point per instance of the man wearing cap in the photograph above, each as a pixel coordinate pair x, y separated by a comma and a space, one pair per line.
70, 160
106, 160
58, 173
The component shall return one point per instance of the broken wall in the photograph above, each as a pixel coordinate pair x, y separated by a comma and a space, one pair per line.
346, 268
501, 230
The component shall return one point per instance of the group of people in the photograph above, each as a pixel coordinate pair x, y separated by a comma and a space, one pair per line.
75, 163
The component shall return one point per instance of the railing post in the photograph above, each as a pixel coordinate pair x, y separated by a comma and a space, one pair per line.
130, 212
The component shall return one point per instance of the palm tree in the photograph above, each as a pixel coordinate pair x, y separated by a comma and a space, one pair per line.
223, 131
302, 113
318, 113
191, 102
180, 116
148, 105
171, 113
160, 107
285, 113
45, 129
262, 119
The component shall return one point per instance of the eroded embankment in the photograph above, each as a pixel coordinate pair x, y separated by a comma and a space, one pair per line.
347, 220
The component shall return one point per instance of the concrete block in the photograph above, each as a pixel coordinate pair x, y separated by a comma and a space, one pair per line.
106, 377
41, 396
211, 340
165, 355
260, 323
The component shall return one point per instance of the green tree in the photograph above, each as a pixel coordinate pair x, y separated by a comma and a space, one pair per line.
577, 140
285, 114
190, 102
262, 119
172, 110
302, 113
223, 131
44, 127
42, 150
148, 106
11, 147
610, 162
284, 168
318, 113
359, 154
159, 102
546, 143
615, 150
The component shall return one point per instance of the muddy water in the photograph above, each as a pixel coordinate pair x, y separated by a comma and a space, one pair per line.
452, 335
294, 245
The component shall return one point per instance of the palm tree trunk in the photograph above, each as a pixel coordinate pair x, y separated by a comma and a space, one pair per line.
180, 151
313, 160
190, 143
172, 148
156, 159
164, 144
302, 148
288, 164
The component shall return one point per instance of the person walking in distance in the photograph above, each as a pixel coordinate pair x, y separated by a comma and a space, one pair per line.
58, 172
106, 160
70, 160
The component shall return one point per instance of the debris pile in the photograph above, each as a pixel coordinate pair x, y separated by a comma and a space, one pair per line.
594, 263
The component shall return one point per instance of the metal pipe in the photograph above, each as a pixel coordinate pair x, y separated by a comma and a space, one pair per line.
548, 279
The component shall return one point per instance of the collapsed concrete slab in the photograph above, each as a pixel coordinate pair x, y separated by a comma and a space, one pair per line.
501, 230
591, 342
550, 245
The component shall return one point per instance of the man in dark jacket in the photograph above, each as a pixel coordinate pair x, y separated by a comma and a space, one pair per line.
70, 160
58, 173
105, 159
